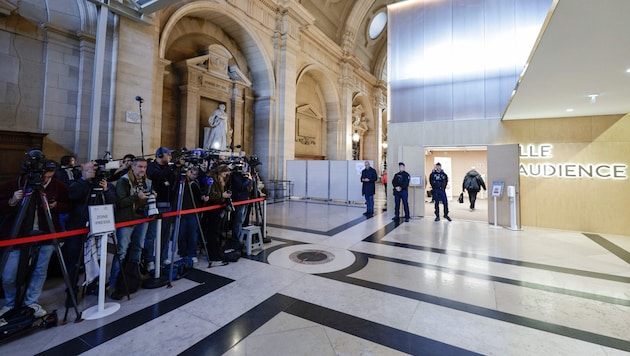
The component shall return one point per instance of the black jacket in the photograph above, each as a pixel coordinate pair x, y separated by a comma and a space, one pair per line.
401, 179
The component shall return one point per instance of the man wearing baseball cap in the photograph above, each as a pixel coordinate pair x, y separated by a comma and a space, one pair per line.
164, 177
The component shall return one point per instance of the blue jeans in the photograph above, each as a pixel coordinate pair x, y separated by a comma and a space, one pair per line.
238, 217
369, 201
36, 283
149, 243
188, 235
128, 238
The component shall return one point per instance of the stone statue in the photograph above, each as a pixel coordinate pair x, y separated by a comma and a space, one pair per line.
218, 121
360, 125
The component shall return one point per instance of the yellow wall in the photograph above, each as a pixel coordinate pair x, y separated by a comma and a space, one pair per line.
583, 204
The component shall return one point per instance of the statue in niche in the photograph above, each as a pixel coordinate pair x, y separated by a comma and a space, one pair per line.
360, 125
217, 139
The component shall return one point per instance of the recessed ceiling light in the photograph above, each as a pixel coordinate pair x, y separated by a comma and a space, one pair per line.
570, 110
628, 70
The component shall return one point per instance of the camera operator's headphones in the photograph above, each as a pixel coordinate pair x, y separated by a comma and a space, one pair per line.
161, 151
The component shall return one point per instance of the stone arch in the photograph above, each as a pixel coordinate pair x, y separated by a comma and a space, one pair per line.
321, 99
217, 24
259, 62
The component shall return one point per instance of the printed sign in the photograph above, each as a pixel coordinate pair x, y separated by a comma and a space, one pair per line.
497, 189
101, 218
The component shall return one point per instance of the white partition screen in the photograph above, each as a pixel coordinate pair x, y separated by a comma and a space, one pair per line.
296, 173
338, 179
317, 173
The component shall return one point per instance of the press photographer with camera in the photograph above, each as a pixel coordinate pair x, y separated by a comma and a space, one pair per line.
132, 193
214, 220
91, 189
36, 175
164, 176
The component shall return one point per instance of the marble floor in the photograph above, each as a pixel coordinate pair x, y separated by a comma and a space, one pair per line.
332, 282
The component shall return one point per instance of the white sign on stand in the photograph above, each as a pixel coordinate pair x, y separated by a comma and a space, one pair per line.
102, 223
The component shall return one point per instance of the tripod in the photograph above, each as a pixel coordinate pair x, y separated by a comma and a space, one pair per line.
28, 209
178, 218
258, 211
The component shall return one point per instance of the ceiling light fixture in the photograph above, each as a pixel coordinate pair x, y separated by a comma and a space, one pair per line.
593, 98
570, 110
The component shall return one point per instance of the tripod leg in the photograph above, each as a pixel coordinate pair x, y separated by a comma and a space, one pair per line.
175, 239
203, 236
75, 274
66, 278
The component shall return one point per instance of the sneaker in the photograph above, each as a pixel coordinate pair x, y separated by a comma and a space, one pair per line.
4, 310
437, 219
406, 219
150, 266
195, 260
447, 218
395, 218
39, 311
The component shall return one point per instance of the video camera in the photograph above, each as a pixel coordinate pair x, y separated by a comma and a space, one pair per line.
34, 167
237, 164
101, 172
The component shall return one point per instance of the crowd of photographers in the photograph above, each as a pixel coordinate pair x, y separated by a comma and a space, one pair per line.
139, 188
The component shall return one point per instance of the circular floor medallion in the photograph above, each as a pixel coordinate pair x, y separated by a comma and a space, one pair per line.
311, 258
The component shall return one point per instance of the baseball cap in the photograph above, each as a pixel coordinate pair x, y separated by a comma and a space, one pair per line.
163, 150
401, 164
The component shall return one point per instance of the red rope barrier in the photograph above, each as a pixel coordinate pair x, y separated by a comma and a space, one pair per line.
57, 235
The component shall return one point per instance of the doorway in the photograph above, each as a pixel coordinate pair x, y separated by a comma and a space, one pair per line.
456, 162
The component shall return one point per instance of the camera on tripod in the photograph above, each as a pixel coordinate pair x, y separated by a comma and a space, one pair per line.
34, 167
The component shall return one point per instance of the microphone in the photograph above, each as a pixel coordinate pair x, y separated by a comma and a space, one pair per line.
139, 98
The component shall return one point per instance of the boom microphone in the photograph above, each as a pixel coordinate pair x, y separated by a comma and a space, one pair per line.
139, 98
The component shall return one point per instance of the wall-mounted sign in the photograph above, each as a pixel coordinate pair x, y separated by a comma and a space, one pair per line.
566, 169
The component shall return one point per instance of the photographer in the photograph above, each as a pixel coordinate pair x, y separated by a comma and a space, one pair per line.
35, 222
164, 176
125, 165
132, 193
90, 189
214, 220
240, 184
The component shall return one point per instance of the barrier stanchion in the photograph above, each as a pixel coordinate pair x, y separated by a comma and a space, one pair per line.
102, 224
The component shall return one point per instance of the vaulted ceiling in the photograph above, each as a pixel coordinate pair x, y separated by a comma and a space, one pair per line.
581, 51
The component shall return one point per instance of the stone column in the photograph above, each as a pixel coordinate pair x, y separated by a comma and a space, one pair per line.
158, 92
189, 111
